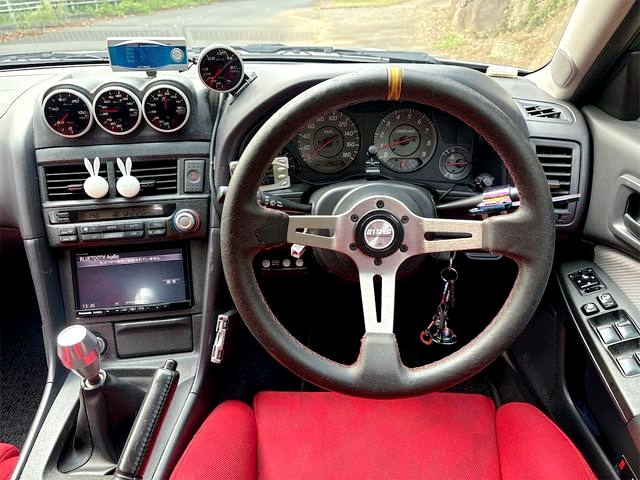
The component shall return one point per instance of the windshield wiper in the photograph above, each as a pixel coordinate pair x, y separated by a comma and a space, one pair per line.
54, 57
371, 55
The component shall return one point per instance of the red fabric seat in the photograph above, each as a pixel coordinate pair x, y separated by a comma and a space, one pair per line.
8, 460
331, 436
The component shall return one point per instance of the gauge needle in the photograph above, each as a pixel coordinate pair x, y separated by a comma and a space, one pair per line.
62, 119
109, 110
400, 141
165, 100
221, 69
325, 144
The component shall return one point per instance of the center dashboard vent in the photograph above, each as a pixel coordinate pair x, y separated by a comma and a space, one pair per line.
65, 182
544, 111
561, 164
157, 177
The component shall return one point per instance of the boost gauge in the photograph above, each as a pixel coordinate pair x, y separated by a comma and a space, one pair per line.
165, 108
455, 163
67, 113
220, 68
117, 110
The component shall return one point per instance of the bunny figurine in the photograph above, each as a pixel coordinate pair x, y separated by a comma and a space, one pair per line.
128, 186
95, 186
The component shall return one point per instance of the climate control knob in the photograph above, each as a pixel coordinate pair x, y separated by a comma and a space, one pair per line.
186, 221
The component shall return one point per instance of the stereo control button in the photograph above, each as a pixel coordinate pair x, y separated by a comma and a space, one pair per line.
112, 235
91, 237
134, 226
91, 229
67, 231
68, 238
186, 221
112, 227
156, 224
134, 234
157, 232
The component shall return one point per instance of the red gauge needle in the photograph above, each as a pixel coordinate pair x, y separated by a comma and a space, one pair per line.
400, 141
62, 119
326, 143
221, 69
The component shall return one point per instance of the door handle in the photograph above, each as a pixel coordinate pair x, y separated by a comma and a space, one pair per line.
632, 224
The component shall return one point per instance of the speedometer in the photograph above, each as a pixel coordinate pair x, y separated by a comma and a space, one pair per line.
117, 110
67, 113
405, 139
165, 108
329, 143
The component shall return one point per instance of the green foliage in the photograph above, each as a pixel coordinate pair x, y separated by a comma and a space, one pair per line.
449, 41
49, 15
540, 12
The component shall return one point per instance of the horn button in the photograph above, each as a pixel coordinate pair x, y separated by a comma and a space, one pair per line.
379, 234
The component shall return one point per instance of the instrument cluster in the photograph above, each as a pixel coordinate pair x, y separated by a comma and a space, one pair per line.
71, 112
407, 141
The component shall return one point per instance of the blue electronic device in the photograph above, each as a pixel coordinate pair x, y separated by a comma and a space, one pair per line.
147, 54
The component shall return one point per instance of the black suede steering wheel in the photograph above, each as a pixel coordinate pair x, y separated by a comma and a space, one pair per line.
527, 236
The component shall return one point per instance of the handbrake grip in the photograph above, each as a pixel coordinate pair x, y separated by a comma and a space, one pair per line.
139, 444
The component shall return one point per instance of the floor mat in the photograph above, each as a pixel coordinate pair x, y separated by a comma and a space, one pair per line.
22, 359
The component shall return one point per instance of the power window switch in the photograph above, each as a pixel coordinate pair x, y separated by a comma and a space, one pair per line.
608, 334
607, 301
589, 309
629, 365
627, 329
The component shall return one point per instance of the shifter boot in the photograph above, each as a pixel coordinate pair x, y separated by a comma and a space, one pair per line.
105, 417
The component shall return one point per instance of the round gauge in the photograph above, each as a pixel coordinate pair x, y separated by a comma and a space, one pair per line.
220, 68
67, 113
455, 163
117, 110
405, 139
165, 108
329, 143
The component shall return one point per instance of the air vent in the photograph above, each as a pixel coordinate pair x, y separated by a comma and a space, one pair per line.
544, 111
65, 182
157, 177
561, 164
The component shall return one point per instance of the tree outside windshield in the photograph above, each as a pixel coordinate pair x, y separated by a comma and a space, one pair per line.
520, 33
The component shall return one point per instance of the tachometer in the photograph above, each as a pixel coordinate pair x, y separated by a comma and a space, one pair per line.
405, 139
67, 113
220, 68
455, 163
117, 110
330, 142
165, 108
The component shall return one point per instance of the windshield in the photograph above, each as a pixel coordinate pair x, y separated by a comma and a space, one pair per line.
518, 33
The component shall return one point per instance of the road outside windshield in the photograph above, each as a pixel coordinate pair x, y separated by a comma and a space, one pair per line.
520, 33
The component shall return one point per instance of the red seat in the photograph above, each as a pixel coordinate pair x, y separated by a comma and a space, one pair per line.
8, 460
327, 435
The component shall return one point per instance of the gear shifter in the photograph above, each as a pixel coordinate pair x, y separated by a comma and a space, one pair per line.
108, 407
78, 351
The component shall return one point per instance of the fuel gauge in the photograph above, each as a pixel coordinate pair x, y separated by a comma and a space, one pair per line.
455, 163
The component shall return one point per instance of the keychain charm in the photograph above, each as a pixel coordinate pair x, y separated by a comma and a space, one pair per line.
438, 330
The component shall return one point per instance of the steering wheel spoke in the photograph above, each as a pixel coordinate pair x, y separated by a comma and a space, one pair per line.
320, 231
385, 274
443, 235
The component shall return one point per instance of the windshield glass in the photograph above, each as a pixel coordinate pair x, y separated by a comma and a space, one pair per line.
519, 33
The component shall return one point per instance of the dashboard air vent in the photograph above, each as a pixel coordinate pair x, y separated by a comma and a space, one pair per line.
65, 182
560, 161
557, 163
544, 111
157, 177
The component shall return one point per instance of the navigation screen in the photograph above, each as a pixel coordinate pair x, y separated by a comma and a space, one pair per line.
131, 278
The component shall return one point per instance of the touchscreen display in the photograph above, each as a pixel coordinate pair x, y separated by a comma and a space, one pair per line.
131, 278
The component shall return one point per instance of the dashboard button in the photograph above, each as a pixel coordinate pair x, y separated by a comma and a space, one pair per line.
112, 227
67, 231
156, 224
134, 226
134, 234
608, 334
112, 235
91, 229
589, 308
68, 238
627, 329
91, 237
157, 232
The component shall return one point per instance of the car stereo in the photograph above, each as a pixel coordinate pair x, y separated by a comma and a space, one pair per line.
123, 281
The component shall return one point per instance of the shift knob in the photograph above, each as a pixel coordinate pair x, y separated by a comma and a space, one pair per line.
78, 351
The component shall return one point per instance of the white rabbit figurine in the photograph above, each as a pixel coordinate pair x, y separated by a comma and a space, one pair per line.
128, 186
95, 186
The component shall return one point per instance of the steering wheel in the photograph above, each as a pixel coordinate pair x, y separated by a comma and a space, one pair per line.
385, 233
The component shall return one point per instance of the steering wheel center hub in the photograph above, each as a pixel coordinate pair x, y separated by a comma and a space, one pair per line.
379, 234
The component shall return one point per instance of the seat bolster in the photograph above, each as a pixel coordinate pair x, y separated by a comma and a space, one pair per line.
8, 459
224, 448
532, 447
